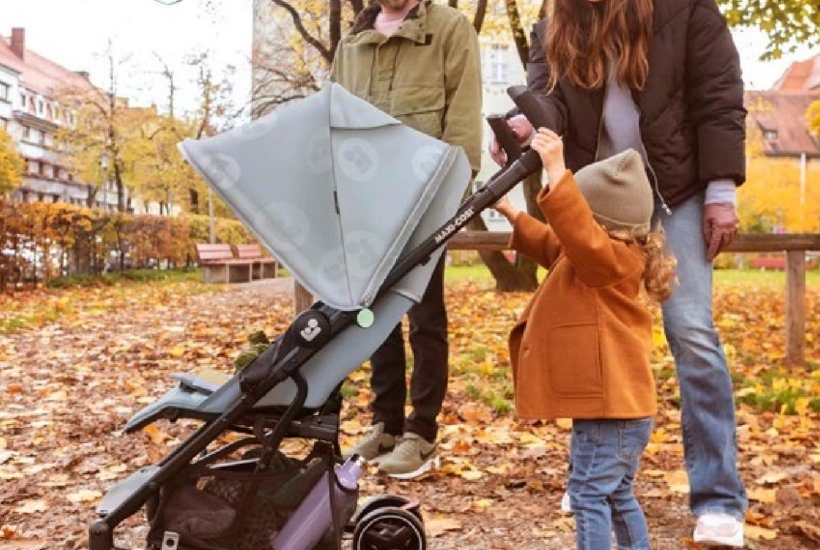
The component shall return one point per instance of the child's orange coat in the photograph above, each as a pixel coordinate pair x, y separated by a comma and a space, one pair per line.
581, 347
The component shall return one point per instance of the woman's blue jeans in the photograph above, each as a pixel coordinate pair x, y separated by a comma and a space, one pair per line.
605, 455
707, 402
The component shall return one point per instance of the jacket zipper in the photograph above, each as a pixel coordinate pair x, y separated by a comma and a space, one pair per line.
649, 164
655, 180
601, 123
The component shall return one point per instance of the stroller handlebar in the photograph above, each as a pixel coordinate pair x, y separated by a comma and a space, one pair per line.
530, 106
505, 136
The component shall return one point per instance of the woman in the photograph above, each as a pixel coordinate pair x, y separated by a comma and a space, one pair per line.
663, 77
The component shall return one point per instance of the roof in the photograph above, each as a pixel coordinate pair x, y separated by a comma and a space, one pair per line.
38, 73
800, 76
785, 114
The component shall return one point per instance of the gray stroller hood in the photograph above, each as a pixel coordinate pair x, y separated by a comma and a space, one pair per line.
335, 188
338, 191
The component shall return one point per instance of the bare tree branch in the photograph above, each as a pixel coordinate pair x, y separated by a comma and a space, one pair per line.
478, 18
517, 29
300, 28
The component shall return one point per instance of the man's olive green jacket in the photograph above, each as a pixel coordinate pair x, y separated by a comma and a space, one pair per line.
427, 74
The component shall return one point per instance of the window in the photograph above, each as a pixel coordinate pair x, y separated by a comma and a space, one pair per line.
26, 132
33, 167
4, 123
23, 100
4, 91
496, 64
40, 107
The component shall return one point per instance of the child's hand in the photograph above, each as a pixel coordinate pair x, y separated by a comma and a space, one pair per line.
506, 209
551, 148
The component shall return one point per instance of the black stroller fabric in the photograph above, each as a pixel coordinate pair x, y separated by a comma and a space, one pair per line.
234, 508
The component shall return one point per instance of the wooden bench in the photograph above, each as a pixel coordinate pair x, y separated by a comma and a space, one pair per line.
219, 265
264, 267
769, 262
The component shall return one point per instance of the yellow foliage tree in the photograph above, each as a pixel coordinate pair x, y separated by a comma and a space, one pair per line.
773, 199
12, 164
813, 116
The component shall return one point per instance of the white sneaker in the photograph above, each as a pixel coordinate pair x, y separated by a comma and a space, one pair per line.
719, 529
566, 507
412, 457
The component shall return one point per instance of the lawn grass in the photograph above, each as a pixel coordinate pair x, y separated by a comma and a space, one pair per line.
480, 274
179, 275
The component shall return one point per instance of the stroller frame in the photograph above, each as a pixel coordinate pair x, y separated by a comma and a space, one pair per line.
289, 351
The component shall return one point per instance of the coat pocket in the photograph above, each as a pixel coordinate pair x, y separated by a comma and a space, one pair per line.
573, 353
420, 108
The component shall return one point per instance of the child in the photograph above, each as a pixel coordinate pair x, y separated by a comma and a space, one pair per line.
581, 348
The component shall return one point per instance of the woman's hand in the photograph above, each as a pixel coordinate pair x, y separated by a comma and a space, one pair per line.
720, 223
522, 129
506, 209
551, 149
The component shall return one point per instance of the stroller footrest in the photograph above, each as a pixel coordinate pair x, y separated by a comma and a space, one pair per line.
124, 489
325, 428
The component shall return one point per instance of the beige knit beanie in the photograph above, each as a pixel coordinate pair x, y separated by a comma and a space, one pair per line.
618, 192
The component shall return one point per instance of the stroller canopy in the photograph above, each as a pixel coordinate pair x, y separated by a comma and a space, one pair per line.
334, 187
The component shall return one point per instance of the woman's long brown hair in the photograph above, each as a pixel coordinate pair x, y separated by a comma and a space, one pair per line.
584, 36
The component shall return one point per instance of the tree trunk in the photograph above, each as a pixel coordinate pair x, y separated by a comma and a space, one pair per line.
478, 18
92, 194
508, 276
335, 25
120, 188
519, 37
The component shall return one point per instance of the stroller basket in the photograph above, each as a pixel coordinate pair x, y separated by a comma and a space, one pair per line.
245, 492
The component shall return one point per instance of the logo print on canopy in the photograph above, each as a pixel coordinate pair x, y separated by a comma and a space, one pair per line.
358, 159
223, 169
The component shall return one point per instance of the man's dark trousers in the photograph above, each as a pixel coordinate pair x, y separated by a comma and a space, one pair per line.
428, 383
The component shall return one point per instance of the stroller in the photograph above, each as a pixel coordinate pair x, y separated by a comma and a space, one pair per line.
360, 222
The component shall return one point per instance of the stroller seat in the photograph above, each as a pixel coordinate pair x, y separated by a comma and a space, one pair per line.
207, 394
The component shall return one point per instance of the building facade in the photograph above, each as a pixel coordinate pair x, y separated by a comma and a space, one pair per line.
31, 114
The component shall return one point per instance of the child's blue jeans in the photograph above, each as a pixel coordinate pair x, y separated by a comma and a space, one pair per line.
605, 455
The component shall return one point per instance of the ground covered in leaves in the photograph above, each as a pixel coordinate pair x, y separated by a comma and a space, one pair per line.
76, 363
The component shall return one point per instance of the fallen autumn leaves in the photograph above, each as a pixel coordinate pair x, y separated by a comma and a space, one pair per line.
74, 365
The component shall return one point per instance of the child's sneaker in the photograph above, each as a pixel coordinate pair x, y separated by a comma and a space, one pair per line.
719, 529
374, 444
413, 456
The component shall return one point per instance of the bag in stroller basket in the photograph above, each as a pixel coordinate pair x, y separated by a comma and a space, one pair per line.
232, 506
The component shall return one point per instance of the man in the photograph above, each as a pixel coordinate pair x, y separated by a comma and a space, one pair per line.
418, 62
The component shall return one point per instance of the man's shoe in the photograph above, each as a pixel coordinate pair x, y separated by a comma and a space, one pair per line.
719, 529
374, 444
413, 456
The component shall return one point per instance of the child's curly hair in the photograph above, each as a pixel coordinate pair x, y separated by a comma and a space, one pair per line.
659, 272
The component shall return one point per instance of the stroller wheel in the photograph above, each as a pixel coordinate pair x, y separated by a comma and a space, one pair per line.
389, 528
395, 501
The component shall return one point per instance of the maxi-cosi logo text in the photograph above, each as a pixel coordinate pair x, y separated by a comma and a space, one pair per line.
455, 225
